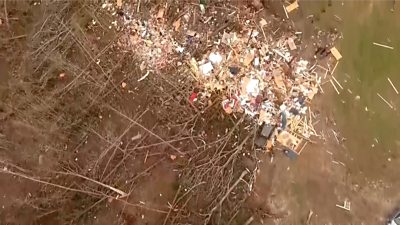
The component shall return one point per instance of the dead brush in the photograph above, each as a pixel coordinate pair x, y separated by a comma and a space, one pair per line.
58, 96
70, 76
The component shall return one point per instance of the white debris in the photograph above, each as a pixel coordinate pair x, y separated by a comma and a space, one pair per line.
215, 58
206, 68
252, 87
180, 49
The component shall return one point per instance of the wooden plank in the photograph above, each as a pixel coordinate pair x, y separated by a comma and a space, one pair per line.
292, 6
292, 45
336, 53
381, 45
278, 78
394, 88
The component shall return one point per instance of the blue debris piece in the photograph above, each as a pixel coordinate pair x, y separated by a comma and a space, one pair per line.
290, 154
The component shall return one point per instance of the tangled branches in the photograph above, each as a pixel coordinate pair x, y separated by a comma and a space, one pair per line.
71, 78
215, 182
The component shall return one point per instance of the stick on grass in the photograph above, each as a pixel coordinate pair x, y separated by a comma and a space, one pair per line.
384, 46
380, 96
394, 88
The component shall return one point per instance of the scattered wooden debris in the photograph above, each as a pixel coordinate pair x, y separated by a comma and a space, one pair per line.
136, 137
191, 33
263, 23
15, 37
394, 88
381, 45
337, 82
160, 13
309, 216
337, 91
177, 24
338, 18
144, 76
292, 6
334, 68
390, 105
291, 44
336, 53
286, 13
346, 205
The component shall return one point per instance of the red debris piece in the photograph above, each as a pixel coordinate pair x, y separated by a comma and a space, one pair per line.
193, 97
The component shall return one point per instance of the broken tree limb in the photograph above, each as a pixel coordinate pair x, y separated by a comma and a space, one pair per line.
248, 221
116, 190
309, 216
6, 171
334, 68
337, 82
337, 91
227, 194
286, 13
6, 13
144, 128
15, 37
144, 76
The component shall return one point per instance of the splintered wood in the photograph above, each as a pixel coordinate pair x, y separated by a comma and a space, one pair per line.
333, 85
383, 46
291, 44
336, 53
263, 22
394, 88
346, 205
278, 79
119, 3
160, 13
380, 96
292, 6
289, 140
177, 24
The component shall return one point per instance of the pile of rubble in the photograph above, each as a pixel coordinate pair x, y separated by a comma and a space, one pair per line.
150, 39
263, 81
256, 74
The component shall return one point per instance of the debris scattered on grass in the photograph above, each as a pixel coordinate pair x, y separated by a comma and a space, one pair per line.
345, 206
333, 85
383, 46
292, 6
336, 53
383, 99
394, 88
